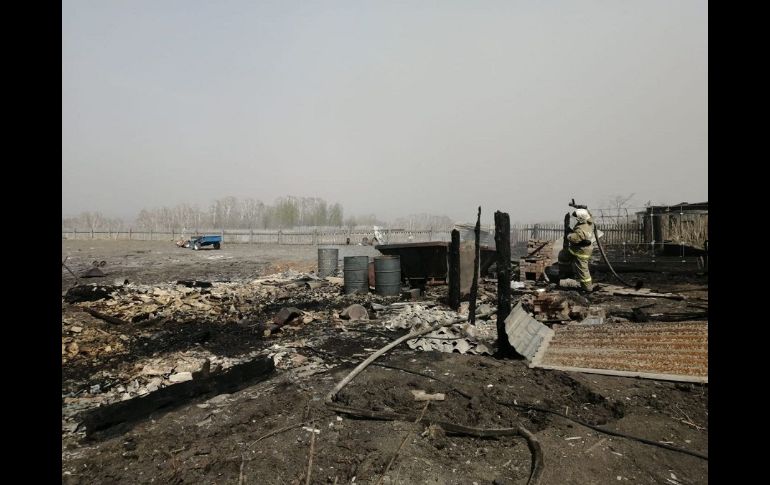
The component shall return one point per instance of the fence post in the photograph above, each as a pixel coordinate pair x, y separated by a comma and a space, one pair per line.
74, 233
503, 245
251, 236
681, 232
453, 274
129, 233
92, 233
279, 236
652, 229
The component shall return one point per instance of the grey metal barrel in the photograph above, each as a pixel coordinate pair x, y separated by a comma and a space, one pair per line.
327, 261
387, 275
356, 269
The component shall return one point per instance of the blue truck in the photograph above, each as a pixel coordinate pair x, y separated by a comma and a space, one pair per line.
197, 242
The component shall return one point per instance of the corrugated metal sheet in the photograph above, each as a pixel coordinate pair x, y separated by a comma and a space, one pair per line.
672, 351
525, 334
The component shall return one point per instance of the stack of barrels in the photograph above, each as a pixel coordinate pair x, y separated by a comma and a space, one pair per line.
387, 272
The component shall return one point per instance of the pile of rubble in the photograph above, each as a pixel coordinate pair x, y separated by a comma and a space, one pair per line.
80, 341
562, 307
222, 301
265, 306
462, 337
125, 315
211, 302
192, 300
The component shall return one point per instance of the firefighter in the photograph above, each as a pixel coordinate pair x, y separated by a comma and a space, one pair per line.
573, 260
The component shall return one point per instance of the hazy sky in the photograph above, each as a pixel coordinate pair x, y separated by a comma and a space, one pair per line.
386, 107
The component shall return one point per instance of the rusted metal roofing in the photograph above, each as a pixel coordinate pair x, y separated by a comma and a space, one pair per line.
525, 334
668, 351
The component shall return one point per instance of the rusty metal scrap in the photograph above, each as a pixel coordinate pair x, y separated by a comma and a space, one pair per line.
525, 334
675, 351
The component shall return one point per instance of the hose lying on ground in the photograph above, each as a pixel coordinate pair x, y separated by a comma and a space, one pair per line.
545, 410
534, 445
606, 260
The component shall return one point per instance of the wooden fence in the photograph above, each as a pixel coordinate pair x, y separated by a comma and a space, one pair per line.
614, 235
240, 236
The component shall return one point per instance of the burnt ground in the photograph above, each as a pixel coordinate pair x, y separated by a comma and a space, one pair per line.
154, 261
214, 440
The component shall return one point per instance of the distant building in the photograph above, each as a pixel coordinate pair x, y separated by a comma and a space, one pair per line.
682, 223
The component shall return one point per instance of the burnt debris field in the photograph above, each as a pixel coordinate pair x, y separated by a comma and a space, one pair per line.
245, 365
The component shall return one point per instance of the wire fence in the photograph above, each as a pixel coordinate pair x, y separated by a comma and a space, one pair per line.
241, 236
520, 234
648, 236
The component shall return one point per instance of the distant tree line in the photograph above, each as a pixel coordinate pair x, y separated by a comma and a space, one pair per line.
93, 221
249, 213
225, 213
422, 221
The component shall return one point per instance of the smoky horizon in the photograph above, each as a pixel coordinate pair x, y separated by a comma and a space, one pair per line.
342, 112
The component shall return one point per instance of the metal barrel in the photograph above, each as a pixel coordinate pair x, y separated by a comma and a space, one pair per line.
387, 275
356, 269
327, 261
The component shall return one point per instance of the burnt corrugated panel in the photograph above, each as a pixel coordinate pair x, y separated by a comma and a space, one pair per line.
673, 351
525, 334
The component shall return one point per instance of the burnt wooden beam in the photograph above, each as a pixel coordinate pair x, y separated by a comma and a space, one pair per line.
119, 417
475, 283
503, 246
106, 318
565, 244
453, 274
536, 250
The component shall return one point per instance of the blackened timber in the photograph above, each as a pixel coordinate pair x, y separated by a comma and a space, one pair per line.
503, 245
453, 277
565, 244
126, 413
475, 283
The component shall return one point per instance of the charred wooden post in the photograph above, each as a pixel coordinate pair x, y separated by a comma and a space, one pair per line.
453, 277
565, 244
503, 246
475, 283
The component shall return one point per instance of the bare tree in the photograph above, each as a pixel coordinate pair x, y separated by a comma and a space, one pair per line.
335, 215
114, 224
618, 207
233, 213
252, 211
92, 221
